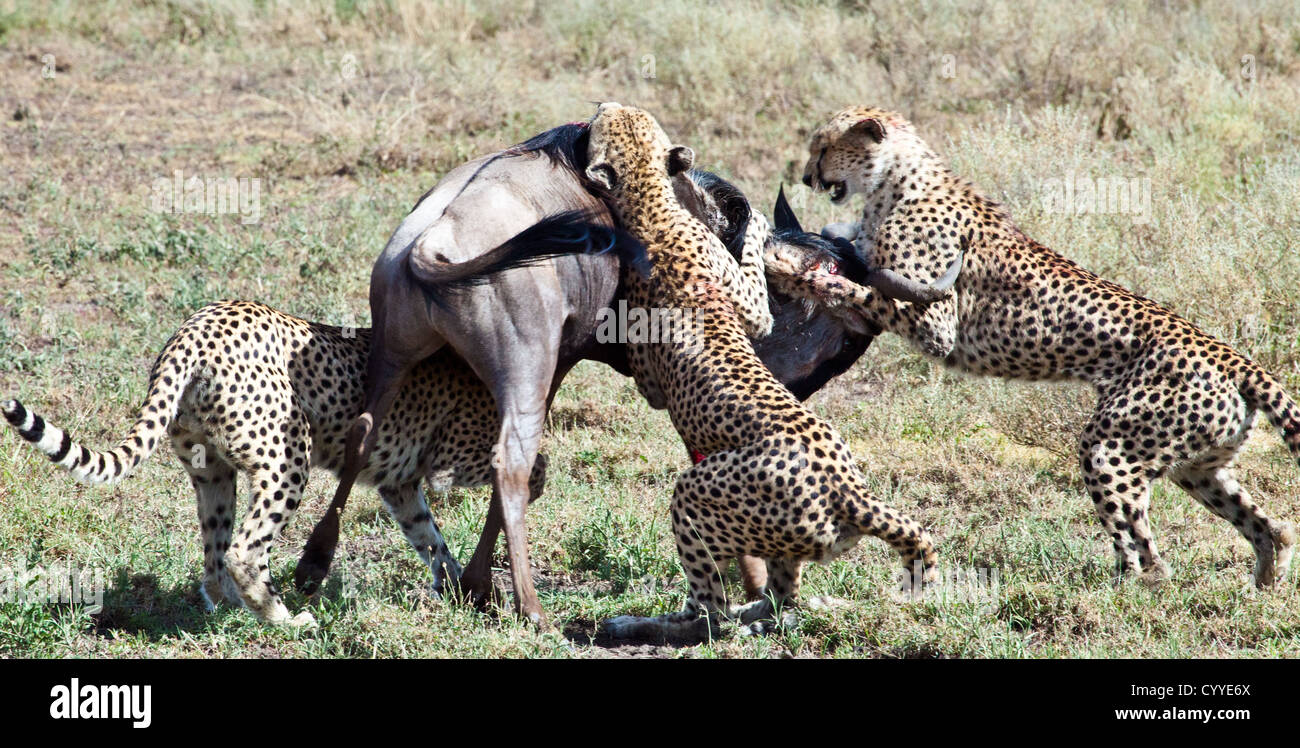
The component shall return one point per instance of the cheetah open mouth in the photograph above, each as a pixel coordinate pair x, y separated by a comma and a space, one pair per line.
839, 191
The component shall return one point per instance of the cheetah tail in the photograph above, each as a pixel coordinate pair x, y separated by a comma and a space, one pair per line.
1264, 393
107, 467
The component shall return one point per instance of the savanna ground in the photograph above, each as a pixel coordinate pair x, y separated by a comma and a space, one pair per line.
347, 112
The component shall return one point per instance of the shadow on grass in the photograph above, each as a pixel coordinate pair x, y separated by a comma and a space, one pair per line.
140, 605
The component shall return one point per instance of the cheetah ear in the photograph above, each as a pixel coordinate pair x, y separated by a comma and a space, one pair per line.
784, 215
603, 175
680, 158
871, 127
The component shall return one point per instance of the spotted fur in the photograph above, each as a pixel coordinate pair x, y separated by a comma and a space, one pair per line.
1172, 400
777, 482
243, 387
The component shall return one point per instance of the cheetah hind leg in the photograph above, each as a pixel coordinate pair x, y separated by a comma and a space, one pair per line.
248, 560
775, 611
409, 509
1216, 487
214, 487
1284, 536
699, 619
693, 623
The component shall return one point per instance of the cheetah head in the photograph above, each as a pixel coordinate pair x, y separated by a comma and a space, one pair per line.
627, 145
852, 154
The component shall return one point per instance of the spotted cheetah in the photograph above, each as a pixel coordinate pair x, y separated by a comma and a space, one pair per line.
243, 387
774, 481
1172, 400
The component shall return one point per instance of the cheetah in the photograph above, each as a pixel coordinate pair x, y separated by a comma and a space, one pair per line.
774, 481
243, 387
1172, 400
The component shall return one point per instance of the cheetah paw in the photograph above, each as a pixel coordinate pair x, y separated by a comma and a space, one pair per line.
209, 605
789, 621
1284, 543
304, 620
446, 575
1157, 575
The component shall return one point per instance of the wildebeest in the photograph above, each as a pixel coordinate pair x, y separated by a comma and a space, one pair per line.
526, 328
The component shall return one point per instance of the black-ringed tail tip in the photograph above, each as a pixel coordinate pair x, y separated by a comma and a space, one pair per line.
86, 465
55, 443
30, 426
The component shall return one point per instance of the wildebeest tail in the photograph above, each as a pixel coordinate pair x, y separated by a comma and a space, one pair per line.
568, 233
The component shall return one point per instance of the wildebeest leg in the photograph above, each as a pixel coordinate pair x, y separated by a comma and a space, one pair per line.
385, 374
519, 371
753, 575
476, 579
522, 422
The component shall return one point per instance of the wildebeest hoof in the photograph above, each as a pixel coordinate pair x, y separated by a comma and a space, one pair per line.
482, 594
309, 575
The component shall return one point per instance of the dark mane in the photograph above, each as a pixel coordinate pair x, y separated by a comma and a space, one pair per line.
732, 205
566, 147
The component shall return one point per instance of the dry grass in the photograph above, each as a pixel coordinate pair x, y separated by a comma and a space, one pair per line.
347, 111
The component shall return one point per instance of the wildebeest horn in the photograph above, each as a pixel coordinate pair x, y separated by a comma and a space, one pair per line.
783, 214
833, 231
896, 286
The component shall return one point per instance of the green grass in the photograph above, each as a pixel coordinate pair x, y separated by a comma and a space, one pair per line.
348, 111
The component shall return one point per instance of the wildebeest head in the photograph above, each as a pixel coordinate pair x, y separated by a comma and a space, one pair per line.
808, 345
814, 268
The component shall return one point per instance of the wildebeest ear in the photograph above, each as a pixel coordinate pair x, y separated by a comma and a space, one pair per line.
783, 214
680, 158
602, 174
871, 127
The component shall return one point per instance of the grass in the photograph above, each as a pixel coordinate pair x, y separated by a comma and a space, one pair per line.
348, 111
